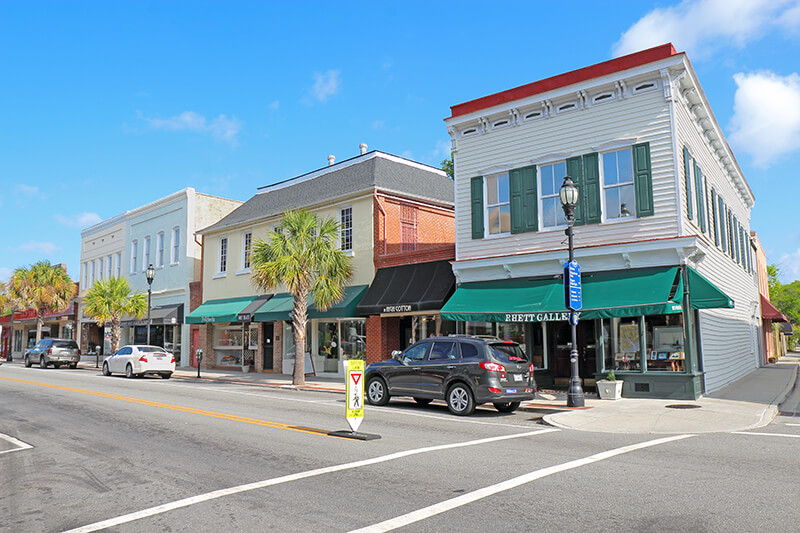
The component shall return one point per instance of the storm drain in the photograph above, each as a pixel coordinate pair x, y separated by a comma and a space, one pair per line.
682, 406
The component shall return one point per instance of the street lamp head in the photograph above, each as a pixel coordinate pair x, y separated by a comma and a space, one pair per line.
150, 273
568, 194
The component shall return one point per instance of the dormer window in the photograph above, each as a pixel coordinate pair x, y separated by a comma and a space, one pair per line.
469, 132
533, 115
567, 107
500, 124
603, 97
644, 87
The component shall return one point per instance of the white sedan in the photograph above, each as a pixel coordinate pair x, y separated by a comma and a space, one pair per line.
137, 360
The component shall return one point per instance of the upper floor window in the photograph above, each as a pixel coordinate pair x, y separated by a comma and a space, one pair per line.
118, 265
134, 255
408, 227
247, 239
160, 249
551, 177
86, 275
498, 204
346, 228
223, 254
109, 269
100, 268
618, 190
146, 258
93, 273
176, 245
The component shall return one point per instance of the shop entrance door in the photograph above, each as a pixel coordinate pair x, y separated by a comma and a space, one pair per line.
269, 328
560, 340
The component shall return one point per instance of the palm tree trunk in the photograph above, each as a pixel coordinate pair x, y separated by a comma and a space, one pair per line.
299, 321
115, 334
39, 324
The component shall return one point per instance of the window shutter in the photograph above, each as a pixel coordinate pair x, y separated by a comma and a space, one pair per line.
530, 200
706, 210
698, 189
687, 170
722, 234
714, 215
736, 237
643, 180
477, 207
591, 186
517, 209
575, 171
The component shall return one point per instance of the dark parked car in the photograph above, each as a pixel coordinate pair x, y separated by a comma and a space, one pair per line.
462, 370
54, 352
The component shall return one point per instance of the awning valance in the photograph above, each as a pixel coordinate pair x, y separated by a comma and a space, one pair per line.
221, 310
407, 288
620, 293
279, 307
770, 312
162, 314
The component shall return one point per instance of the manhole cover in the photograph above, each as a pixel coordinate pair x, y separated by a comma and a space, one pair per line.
682, 406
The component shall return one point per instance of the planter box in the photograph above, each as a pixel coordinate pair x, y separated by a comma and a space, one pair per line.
609, 390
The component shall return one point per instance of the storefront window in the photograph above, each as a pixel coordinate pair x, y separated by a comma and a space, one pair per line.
354, 339
288, 339
230, 342
665, 351
328, 340
534, 345
480, 328
172, 339
627, 344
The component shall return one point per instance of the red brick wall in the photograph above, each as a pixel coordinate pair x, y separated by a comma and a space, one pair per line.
383, 336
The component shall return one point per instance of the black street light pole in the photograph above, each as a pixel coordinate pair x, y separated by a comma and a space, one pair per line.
150, 273
568, 195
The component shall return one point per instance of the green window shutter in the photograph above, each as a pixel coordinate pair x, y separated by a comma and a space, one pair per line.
530, 199
517, 209
722, 234
698, 188
591, 187
687, 170
707, 211
643, 180
731, 240
714, 215
575, 171
736, 238
477, 207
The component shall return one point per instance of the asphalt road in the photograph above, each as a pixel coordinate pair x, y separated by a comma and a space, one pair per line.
79, 451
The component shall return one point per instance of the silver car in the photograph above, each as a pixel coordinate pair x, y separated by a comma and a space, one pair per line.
54, 352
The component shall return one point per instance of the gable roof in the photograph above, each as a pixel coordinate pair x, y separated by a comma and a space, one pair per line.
364, 173
568, 78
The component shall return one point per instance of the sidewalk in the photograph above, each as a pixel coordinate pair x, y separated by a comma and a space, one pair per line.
746, 404
749, 403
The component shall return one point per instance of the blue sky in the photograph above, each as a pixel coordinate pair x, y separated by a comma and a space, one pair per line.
107, 106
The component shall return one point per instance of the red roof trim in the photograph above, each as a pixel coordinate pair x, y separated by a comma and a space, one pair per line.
568, 78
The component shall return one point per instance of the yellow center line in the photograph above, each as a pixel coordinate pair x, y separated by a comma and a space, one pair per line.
180, 408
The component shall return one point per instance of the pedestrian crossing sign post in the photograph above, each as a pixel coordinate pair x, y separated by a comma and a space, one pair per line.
355, 393
354, 401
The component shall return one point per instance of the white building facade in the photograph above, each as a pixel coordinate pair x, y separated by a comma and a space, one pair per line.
661, 229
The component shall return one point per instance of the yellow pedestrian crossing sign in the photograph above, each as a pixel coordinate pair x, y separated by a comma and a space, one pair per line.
354, 390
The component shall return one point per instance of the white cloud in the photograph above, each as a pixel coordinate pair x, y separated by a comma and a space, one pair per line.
5, 273
789, 265
80, 221
46, 248
442, 149
766, 119
222, 127
30, 190
275, 105
326, 85
701, 26
378, 124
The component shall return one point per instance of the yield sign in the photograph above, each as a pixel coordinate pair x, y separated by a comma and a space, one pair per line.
355, 393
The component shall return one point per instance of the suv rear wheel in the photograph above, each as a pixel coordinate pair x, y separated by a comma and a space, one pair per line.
376, 391
42, 361
460, 400
28, 363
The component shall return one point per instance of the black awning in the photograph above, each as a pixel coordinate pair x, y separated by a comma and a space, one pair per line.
163, 314
407, 288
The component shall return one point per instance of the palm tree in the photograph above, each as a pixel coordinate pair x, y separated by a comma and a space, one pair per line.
44, 287
303, 255
108, 300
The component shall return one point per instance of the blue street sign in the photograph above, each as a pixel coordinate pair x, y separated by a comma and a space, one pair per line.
572, 286
573, 319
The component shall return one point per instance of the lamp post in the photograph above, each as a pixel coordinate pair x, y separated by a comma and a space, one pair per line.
568, 194
150, 273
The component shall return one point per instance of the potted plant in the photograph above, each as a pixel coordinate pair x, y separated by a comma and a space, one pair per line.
610, 388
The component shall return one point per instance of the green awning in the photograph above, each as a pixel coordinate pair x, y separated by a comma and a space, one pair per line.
620, 293
279, 307
222, 310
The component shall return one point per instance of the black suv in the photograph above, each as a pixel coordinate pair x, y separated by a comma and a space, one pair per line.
462, 370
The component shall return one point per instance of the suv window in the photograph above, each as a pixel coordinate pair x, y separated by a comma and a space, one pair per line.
468, 350
443, 350
65, 344
508, 352
416, 352
44, 343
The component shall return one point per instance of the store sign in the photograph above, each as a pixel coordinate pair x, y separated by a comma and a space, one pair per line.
538, 317
572, 285
244, 317
355, 393
207, 319
396, 309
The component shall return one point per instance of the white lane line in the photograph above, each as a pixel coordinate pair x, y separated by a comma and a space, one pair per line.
16, 442
790, 424
447, 505
111, 522
766, 434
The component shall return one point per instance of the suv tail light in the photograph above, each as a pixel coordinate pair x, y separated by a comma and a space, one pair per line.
530, 368
49, 351
79, 351
173, 360
143, 359
493, 367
